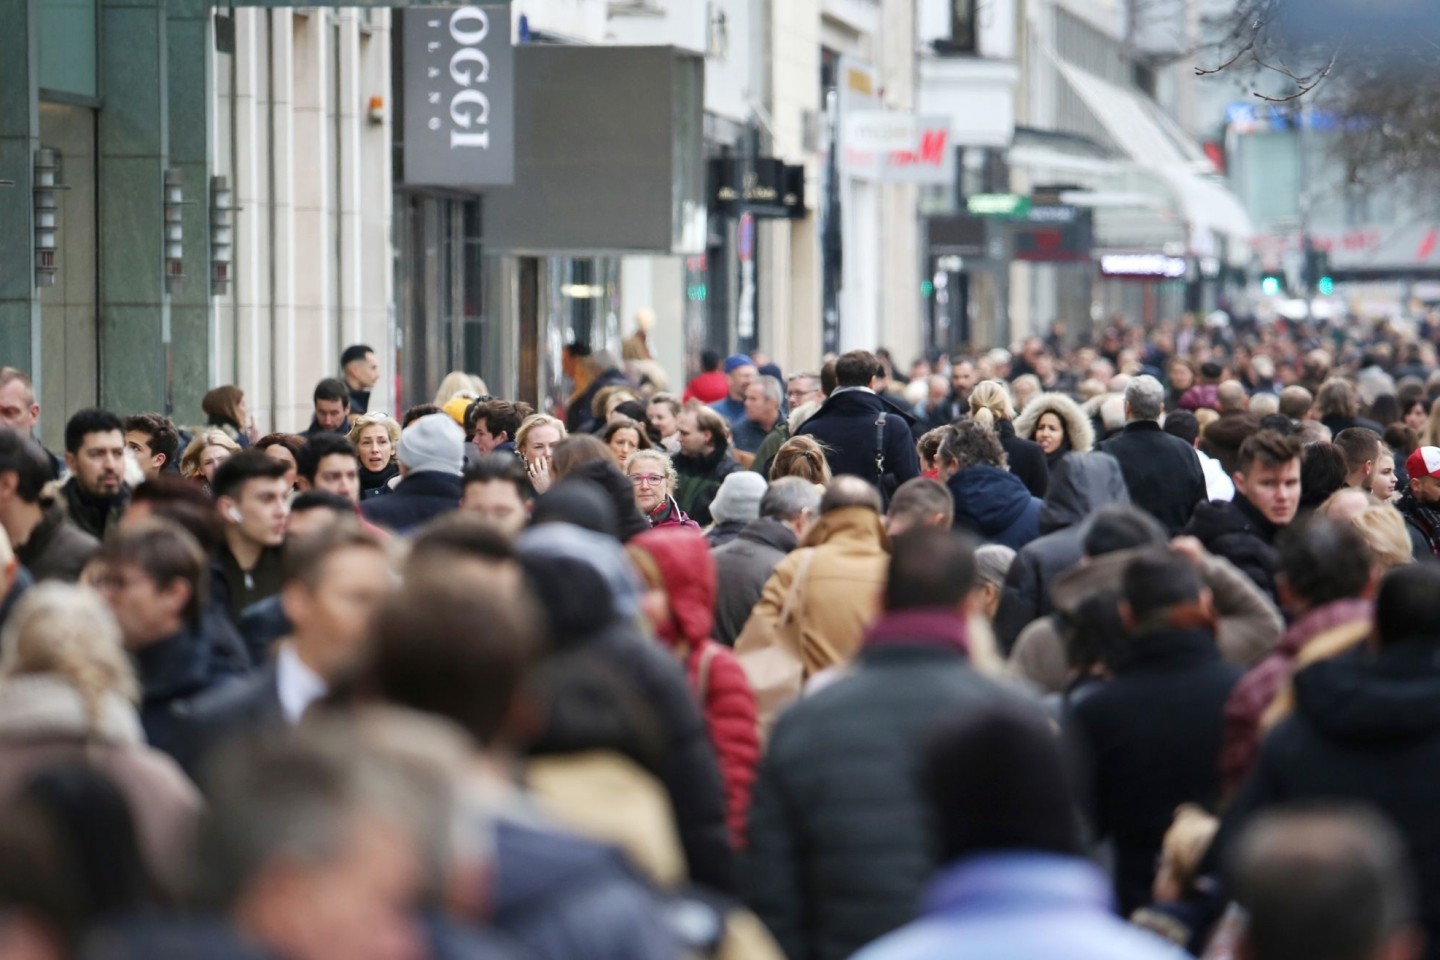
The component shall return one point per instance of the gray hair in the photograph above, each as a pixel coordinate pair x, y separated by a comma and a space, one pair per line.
992, 563
774, 389
789, 497
1145, 397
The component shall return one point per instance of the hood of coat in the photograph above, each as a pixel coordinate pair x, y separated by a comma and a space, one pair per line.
1372, 698
853, 526
990, 497
1078, 428
1080, 484
48, 705
583, 579
687, 570
1323, 619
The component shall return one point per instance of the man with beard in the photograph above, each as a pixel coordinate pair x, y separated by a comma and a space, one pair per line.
95, 495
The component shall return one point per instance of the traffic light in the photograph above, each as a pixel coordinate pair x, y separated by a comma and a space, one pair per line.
1326, 286
1270, 285
1317, 270
927, 288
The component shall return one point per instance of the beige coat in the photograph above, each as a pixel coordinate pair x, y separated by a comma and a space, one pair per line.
43, 724
842, 590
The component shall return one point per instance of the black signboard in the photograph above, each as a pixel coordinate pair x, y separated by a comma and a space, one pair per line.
762, 187
1053, 233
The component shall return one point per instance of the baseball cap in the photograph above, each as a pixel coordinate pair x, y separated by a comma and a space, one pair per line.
1424, 462
737, 360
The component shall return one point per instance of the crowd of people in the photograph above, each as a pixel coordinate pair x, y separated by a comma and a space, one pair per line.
1124, 646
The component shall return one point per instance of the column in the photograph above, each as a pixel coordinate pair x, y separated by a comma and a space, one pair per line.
133, 152
188, 55
19, 139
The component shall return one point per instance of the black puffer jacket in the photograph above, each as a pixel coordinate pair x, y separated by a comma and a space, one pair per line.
1238, 532
839, 843
1081, 484
1025, 457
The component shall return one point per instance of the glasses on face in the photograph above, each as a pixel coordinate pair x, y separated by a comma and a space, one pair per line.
646, 479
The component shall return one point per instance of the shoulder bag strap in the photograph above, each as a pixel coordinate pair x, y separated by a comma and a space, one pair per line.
880, 448
792, 642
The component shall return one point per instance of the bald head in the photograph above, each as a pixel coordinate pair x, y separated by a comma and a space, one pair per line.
1231, 397
848, 491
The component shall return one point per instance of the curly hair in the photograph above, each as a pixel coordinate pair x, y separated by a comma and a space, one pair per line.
802, 457
969, 444
358, 425
190, 462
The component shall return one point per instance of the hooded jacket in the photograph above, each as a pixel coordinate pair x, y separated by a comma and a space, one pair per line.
1366, 729
741, 568
715, 676
845, 424
1081, 484
995, 506
840, 595
1079, 431
700, 479
1026, 458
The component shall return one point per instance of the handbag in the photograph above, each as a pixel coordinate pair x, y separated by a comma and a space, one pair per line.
770, 654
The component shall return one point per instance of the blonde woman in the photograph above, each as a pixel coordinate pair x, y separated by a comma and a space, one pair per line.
458, 383
535, 442
1430, 435
67, 696
206, 452
375, 437
991, 408
653, 476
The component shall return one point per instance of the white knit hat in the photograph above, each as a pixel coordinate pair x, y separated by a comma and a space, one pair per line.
739, 497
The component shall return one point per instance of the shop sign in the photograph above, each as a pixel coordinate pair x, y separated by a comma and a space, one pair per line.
459, 97
763, 187
1052, 233
1143, 266
998, 204
898, 147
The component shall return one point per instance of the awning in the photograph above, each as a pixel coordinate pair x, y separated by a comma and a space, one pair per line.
1152, 140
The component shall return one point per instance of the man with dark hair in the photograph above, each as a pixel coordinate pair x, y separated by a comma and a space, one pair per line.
920, 502
866, 434
1162, 472
48, 546
251, 497
95, 495
1182, 424
155, 441
1012, 883
334, 582
494, 424
1420, 503
328, 462
1324, 882
1365, 728
1324, 583
332, 408
497, 490
840, 844
155, 578
703, 462
1360, 447
1150, 738
361, 372
431, 454
1267, 498
742, 566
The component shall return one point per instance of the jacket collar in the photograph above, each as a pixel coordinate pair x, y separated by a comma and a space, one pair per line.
1167, 649
935, 628
853, 525
769, 532
1142, 426
1018, 879
1263, 528
430, 483
705, 463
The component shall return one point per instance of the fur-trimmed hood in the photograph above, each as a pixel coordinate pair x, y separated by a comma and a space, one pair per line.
1077, 426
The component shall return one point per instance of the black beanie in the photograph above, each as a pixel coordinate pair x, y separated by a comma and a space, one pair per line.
580, 502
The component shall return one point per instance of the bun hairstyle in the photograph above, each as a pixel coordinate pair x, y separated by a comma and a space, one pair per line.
802, 457
989, 403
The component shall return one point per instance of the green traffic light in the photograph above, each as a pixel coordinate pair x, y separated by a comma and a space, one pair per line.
927, 287
1326, 286
1270, 286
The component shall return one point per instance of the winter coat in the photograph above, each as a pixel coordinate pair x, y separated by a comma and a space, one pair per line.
1255, 691
1150, 740
741, 568
700, 479
90, 514
231, 711
243, 588
415, 501
57, 550
1081, 484
844, 582
1202, 396
670, 515
707, 387
840, 842
1162, 472
1026, 458
376, 483
845, 424
724, 532
1249, 625
44, 724
1366, 730
1079, 431
1019, 905
995, 506
261, 625
1422, 523
1238, 532
579, 418
715, 676
173, 672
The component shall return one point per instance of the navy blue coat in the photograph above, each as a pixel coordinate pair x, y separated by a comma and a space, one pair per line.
995, 506
846, 425
418, 499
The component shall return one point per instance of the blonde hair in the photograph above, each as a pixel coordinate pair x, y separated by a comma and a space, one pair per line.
658, 457
190, 462
458, 383
802, 457
358, 425
1185, 843
68, 631
1383, 528
990, 402
530, 423
1430, 435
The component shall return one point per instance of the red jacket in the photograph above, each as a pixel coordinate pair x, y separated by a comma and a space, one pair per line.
726, 700
708, 387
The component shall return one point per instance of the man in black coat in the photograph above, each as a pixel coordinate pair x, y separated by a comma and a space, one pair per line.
1162, 472
1366, 729
1081, 484
1267, 497
1150, 738
840, 843
431, 454
865, 434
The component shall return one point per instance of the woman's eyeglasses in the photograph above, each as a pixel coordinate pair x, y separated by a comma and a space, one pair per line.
646, 479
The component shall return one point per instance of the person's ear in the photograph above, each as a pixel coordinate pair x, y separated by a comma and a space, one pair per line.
9, 483
1127, 614
70, 461
177, 592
